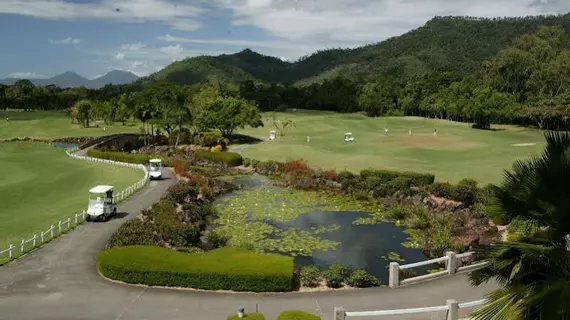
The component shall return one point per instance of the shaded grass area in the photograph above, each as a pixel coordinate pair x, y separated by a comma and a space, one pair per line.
456, 152
52, 124
41, 185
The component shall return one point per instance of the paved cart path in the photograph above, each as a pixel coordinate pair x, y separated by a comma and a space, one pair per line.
59, 281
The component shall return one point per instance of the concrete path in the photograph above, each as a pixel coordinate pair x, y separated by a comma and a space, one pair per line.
59, 281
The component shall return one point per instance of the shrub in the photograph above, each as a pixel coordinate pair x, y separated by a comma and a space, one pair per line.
297, 315
336, 275
220, 269
125, 157
231, 159
179, 192
190, 249
310, 276
182, 166
246, 162
217, 239
271, 168
217, 148
442, 190
466, 192
212, 139
134, 232
415, 179
249, 316
362, 279
255, 163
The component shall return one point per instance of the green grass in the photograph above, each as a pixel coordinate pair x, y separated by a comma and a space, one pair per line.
41, 185
221, 269
457, 151
297, 315
50, 125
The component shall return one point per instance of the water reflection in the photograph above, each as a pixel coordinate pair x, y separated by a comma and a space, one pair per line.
64, 145
361, 246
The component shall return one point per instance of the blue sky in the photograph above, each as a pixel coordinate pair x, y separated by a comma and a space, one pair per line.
42, 38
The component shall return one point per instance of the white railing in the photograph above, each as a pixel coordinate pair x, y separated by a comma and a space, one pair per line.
63, 226
452, 262
452, 308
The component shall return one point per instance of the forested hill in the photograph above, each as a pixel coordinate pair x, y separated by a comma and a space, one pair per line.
459, 43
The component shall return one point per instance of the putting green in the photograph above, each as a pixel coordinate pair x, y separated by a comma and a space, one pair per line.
51, 124
456, 152
41, 185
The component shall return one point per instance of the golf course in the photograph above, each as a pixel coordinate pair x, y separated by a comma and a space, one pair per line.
51, 125
41, 185
456, 152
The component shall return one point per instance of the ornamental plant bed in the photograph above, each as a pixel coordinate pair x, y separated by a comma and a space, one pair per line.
220, 269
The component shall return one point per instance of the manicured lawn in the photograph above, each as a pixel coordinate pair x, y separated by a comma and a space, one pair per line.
51, 124
41, 185
456, 152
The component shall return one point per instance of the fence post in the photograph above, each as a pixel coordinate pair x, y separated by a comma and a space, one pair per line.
52, 229
394, 280
76, 219
339, 313
453, 310
451, 264
68, 223
34, 241
10, 254
22, 246
59, 226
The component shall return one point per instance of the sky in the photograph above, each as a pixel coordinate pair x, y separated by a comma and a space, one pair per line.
42, 38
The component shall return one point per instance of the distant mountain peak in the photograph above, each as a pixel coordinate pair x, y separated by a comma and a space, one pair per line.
72, 79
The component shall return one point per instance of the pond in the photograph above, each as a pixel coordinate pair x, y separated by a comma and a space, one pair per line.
360, 246
65, 145
317, 229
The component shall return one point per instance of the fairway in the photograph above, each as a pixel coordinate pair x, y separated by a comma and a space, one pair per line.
456, 152
50, 125
41, 185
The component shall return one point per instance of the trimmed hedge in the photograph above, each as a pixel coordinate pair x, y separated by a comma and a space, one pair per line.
297, 315
126, 157
250, 316
231, 159
220, 269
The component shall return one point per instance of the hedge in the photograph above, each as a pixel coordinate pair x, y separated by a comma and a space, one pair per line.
231, 159
220, 269
126, 157
415, 179
250, 316
297, 315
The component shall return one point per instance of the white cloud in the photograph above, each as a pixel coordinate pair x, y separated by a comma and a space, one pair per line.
26, 75
67, 40
119, 56
179, 14
175, 50
133, 47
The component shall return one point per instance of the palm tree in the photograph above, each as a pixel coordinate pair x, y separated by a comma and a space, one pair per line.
534, 271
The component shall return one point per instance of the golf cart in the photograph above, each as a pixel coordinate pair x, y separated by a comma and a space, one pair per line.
272, 135
101, 206
155, 169
348, 137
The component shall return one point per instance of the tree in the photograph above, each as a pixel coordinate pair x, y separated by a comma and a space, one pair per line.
83, 110
281, 124
534, 272
228, 114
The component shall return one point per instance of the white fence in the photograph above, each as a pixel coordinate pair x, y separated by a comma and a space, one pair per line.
452, 262
63, 226
452, 308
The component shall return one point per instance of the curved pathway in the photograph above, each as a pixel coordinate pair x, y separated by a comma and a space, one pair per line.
60, 282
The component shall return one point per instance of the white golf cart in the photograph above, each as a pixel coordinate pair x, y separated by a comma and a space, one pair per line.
348, 137
155, 169
101, 206
272, 135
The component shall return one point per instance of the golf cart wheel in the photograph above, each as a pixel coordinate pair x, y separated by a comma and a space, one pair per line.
102, 218
87, 218
114, 211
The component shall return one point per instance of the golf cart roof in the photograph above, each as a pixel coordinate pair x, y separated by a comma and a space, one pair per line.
101, 189
272, 131
155, 160
348, 134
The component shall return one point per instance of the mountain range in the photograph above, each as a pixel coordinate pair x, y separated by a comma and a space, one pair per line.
71, 79
458, 43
